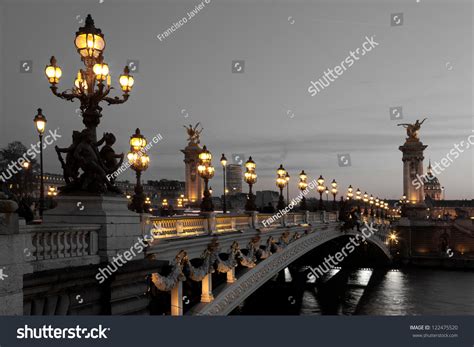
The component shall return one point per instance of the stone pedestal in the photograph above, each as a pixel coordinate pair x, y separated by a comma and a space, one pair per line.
211, 221
253, 217
13, 259
121, 227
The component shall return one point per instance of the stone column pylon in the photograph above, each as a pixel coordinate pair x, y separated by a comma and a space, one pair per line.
194, 187
413, 171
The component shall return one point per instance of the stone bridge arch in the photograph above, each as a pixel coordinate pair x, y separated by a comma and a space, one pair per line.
232, 295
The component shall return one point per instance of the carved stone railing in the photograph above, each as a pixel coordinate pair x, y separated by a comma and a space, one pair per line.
163, 227
261, 217
58, 246
233, 222
185, 226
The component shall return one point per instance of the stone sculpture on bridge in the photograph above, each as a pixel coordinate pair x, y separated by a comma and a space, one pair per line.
83, 154
194, 133
413, 130
166, 283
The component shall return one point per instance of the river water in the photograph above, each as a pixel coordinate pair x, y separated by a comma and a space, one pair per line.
411, 291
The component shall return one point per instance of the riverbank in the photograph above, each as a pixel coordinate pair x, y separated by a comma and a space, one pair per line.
437, 262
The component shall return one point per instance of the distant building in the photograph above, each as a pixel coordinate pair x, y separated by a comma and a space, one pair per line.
234, 179
167, 189
52, 183
128, 188
265, 197
432, 186
236, 202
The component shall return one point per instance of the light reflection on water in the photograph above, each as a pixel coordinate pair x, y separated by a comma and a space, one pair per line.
404, 292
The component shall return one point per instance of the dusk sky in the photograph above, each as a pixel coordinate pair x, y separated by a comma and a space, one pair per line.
424, 66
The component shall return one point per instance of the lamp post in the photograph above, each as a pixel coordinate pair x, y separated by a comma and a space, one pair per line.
321, 189
206, 171
52, 191
93, 84
250, 178
371, 203
326, 190
350, 193
139, 162
281, 183
26, 166
40, 122
302, 185
358, 197
393, 239
287, 178
224, 166
366, 200
334, 193
377, 205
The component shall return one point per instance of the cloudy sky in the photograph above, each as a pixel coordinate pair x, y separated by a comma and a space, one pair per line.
423, 65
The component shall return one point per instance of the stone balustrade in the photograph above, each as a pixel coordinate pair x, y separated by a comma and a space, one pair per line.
185, 226
58, 246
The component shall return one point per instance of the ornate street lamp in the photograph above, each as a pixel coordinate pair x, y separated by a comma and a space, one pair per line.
139, 162
147, 205
350, 193
302, 185
250, 178
287, 178
224, 166
26, 166
321, 189
366, 200
358, 197
326, 190
281, 183
40, 123
52, 191
377, 205
93, 84
371, 203
393, 239
206, 171
334, 192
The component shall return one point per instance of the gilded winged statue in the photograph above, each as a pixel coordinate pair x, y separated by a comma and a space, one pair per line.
413, 130
194, 133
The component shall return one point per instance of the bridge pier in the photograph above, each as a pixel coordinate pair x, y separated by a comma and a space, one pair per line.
206, 295
177, 299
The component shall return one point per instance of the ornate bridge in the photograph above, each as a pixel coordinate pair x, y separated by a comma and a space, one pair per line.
56, 268
196, 247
